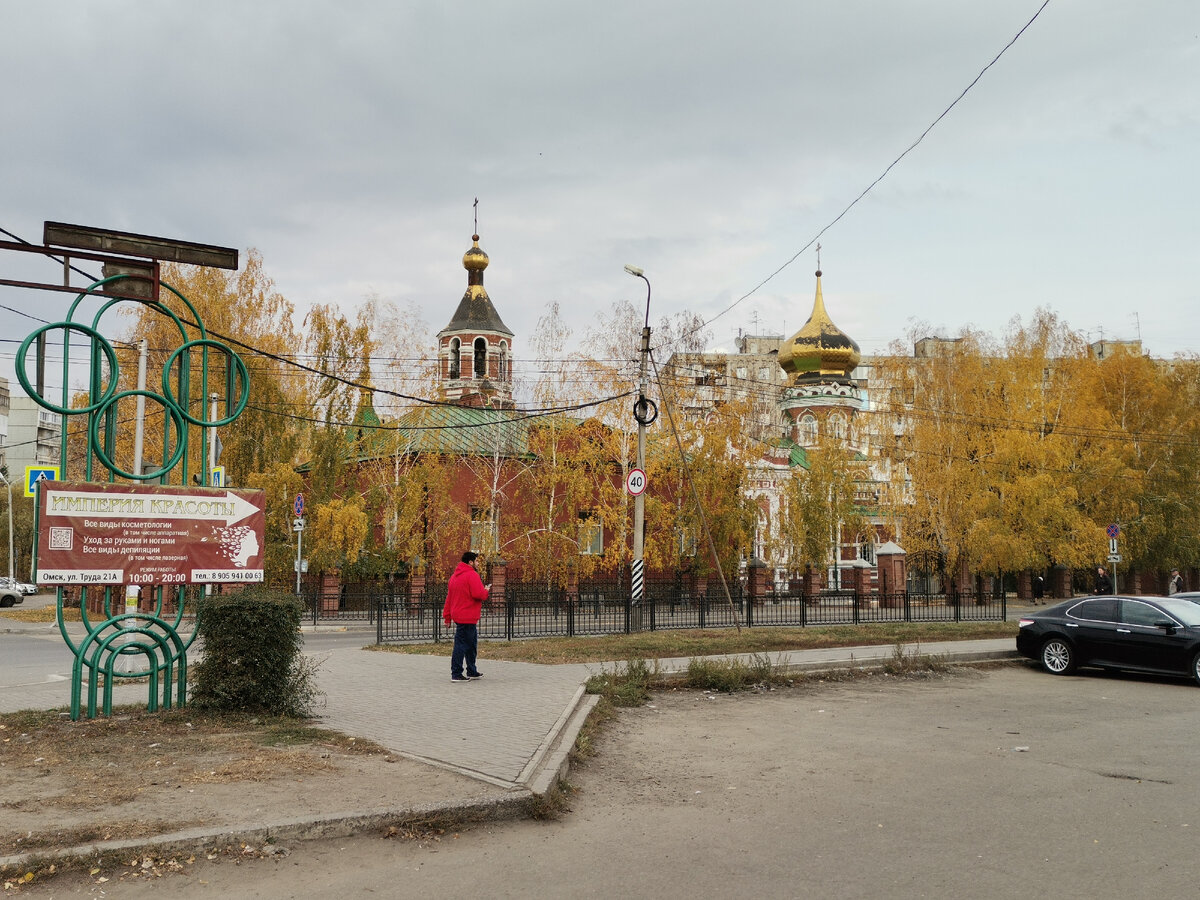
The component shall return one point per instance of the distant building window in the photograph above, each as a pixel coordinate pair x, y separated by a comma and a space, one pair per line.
687, 542
504, 373
837, 426
455, 358
591, 535
480, 370
484, 536
764, 374
808, 429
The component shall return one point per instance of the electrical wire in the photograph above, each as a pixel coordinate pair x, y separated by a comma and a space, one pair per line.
870, 186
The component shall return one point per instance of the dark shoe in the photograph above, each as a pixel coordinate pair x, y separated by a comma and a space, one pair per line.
459, 679
474, 674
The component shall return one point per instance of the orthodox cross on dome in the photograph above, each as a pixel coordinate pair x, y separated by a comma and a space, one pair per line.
476, 205
818, 250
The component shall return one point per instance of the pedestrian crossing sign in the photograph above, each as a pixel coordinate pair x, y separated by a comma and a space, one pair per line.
34, 474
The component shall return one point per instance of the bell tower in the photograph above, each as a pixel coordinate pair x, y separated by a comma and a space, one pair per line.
475, 348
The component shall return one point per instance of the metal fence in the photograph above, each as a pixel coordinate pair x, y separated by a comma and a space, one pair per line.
604, 607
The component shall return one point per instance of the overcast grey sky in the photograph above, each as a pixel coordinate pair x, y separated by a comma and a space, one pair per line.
705, 143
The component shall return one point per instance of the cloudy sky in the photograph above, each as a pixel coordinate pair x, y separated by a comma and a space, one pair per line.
708, 144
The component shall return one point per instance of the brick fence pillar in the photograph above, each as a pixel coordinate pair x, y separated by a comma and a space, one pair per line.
1133, 582
572, 592
893, 574
331, 590
861, 580
416, 590
1060, 583
497, 573
812, 584
1025, 585
758, 579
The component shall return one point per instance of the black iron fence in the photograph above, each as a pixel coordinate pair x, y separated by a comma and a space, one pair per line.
604, 607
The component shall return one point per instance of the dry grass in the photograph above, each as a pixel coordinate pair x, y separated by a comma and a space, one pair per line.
43, 614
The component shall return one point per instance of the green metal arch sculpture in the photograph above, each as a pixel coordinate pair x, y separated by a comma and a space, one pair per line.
157, 637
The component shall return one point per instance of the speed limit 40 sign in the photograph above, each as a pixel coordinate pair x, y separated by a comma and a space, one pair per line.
635, 481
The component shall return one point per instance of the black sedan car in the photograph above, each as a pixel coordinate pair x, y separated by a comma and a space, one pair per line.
1141, 634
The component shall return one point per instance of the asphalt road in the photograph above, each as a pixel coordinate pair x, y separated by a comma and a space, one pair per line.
1001, 783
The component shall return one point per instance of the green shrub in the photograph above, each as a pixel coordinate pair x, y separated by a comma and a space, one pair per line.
251, 658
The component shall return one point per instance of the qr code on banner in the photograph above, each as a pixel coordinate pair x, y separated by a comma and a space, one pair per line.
62, 538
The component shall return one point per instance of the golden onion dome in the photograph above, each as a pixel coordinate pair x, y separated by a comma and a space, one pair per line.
475, 260
820, 347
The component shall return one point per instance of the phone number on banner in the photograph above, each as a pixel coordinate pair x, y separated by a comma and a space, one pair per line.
226, 575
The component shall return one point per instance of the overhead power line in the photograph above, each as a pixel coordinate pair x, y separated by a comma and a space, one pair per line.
870, 186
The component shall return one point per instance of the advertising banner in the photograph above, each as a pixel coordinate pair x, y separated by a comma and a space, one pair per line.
148, 534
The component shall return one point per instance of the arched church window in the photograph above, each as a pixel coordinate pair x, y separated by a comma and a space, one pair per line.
505, 374
455, 358
480, 370
808, 429
837, 426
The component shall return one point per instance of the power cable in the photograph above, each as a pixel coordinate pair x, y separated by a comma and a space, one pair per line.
869, 187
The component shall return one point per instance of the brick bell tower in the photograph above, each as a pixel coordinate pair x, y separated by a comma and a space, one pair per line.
475, 350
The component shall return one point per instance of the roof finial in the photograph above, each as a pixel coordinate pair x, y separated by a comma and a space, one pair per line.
818, 260
476, 205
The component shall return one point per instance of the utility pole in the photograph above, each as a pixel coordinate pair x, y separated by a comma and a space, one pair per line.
133, 593
642, 412
212, 439
11, 577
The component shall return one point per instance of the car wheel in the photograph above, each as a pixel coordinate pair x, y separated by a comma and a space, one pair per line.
6, 601
1196, 667
1058, 657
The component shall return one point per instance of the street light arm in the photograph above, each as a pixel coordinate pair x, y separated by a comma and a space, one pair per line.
639, 273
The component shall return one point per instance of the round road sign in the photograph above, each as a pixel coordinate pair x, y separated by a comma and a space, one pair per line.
635, 482
299, 505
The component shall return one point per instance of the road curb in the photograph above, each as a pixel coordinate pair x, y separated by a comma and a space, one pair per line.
340, 824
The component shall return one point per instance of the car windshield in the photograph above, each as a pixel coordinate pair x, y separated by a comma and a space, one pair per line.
1186, 611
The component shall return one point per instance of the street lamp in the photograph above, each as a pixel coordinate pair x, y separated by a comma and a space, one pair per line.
641, 412
10, 526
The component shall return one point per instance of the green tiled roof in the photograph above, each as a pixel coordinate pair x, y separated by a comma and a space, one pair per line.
797, 455
462, 430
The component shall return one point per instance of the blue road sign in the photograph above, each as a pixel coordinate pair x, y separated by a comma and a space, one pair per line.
299, 505
34, 474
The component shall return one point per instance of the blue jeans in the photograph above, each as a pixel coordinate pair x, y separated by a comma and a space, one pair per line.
466, 644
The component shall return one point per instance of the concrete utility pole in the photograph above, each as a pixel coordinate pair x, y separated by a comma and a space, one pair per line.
641, 412
10, 527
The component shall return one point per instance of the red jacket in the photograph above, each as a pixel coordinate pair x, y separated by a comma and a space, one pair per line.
465, 596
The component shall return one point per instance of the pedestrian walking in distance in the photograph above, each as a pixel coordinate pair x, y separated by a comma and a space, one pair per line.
1175, 583
464, 603
1104, 584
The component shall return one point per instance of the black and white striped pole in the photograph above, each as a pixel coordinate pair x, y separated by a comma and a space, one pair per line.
645, 412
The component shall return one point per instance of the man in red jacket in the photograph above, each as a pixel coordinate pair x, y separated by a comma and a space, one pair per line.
464, 603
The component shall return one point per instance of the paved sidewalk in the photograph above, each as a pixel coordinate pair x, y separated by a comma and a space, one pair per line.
511, 730
500, 728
